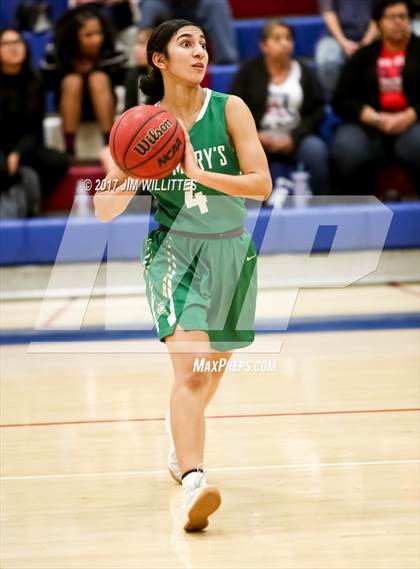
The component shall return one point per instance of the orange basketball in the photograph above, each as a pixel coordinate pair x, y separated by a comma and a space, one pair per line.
147, 142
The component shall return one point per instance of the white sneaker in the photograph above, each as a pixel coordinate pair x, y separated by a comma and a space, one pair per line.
173, 465
199, 501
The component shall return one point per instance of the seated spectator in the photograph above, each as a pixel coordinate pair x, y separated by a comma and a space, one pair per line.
213, 15
22, 100
33, 16
123, 15
286, 102
133, 94
83, 66
378, 95
350, 26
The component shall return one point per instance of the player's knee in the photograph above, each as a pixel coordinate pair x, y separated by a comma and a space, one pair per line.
195, 380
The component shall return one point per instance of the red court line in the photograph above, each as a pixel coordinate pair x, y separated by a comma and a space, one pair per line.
53, 317
404, 289
243, 416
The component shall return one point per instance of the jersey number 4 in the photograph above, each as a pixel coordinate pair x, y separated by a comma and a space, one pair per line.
197, 199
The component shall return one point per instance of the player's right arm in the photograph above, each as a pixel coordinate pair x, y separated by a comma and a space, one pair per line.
115, 197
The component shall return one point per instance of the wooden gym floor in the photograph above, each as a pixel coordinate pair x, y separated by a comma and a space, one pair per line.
317, 459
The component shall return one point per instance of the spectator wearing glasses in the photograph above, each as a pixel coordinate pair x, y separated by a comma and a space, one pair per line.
22, 110
378, 97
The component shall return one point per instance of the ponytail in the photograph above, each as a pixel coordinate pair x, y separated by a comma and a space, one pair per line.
152, 86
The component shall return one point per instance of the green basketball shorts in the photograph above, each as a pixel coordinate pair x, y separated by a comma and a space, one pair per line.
202, 284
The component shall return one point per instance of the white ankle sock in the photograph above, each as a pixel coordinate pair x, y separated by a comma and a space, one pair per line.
193, 480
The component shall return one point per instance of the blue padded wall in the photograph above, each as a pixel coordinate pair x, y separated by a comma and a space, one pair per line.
8, 10
306, 31
221, 77
290, 230
37, 43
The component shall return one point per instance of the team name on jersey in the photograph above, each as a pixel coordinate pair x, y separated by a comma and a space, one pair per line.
210, 158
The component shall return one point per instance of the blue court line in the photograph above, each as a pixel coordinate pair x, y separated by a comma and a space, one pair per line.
363, 322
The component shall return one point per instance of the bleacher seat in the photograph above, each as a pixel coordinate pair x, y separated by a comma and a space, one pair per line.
8, 10
394, 178
62, 198
329, 124
306, 30
89, 141
37, 43
267, 8
240, 9
220, 77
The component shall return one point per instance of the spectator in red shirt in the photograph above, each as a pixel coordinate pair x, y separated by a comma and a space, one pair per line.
378, 95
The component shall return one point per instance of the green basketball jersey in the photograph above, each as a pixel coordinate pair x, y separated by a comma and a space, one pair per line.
186, 205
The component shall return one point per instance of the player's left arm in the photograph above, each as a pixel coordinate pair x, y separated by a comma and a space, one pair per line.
255, 181
114, 199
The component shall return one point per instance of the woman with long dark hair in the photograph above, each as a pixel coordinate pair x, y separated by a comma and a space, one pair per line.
22, 101
83, 66
200, 265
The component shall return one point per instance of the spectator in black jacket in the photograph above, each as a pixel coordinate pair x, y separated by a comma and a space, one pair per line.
378, 95
133, 94
22, 100
83, 66
286, 101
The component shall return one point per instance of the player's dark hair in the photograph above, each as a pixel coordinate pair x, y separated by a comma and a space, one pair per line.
380, 6
269, 26
152, 83
66, 39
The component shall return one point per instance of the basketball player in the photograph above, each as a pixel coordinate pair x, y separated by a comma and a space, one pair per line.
200, 265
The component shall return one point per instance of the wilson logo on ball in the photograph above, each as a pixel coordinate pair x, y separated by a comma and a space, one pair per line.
146, 143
